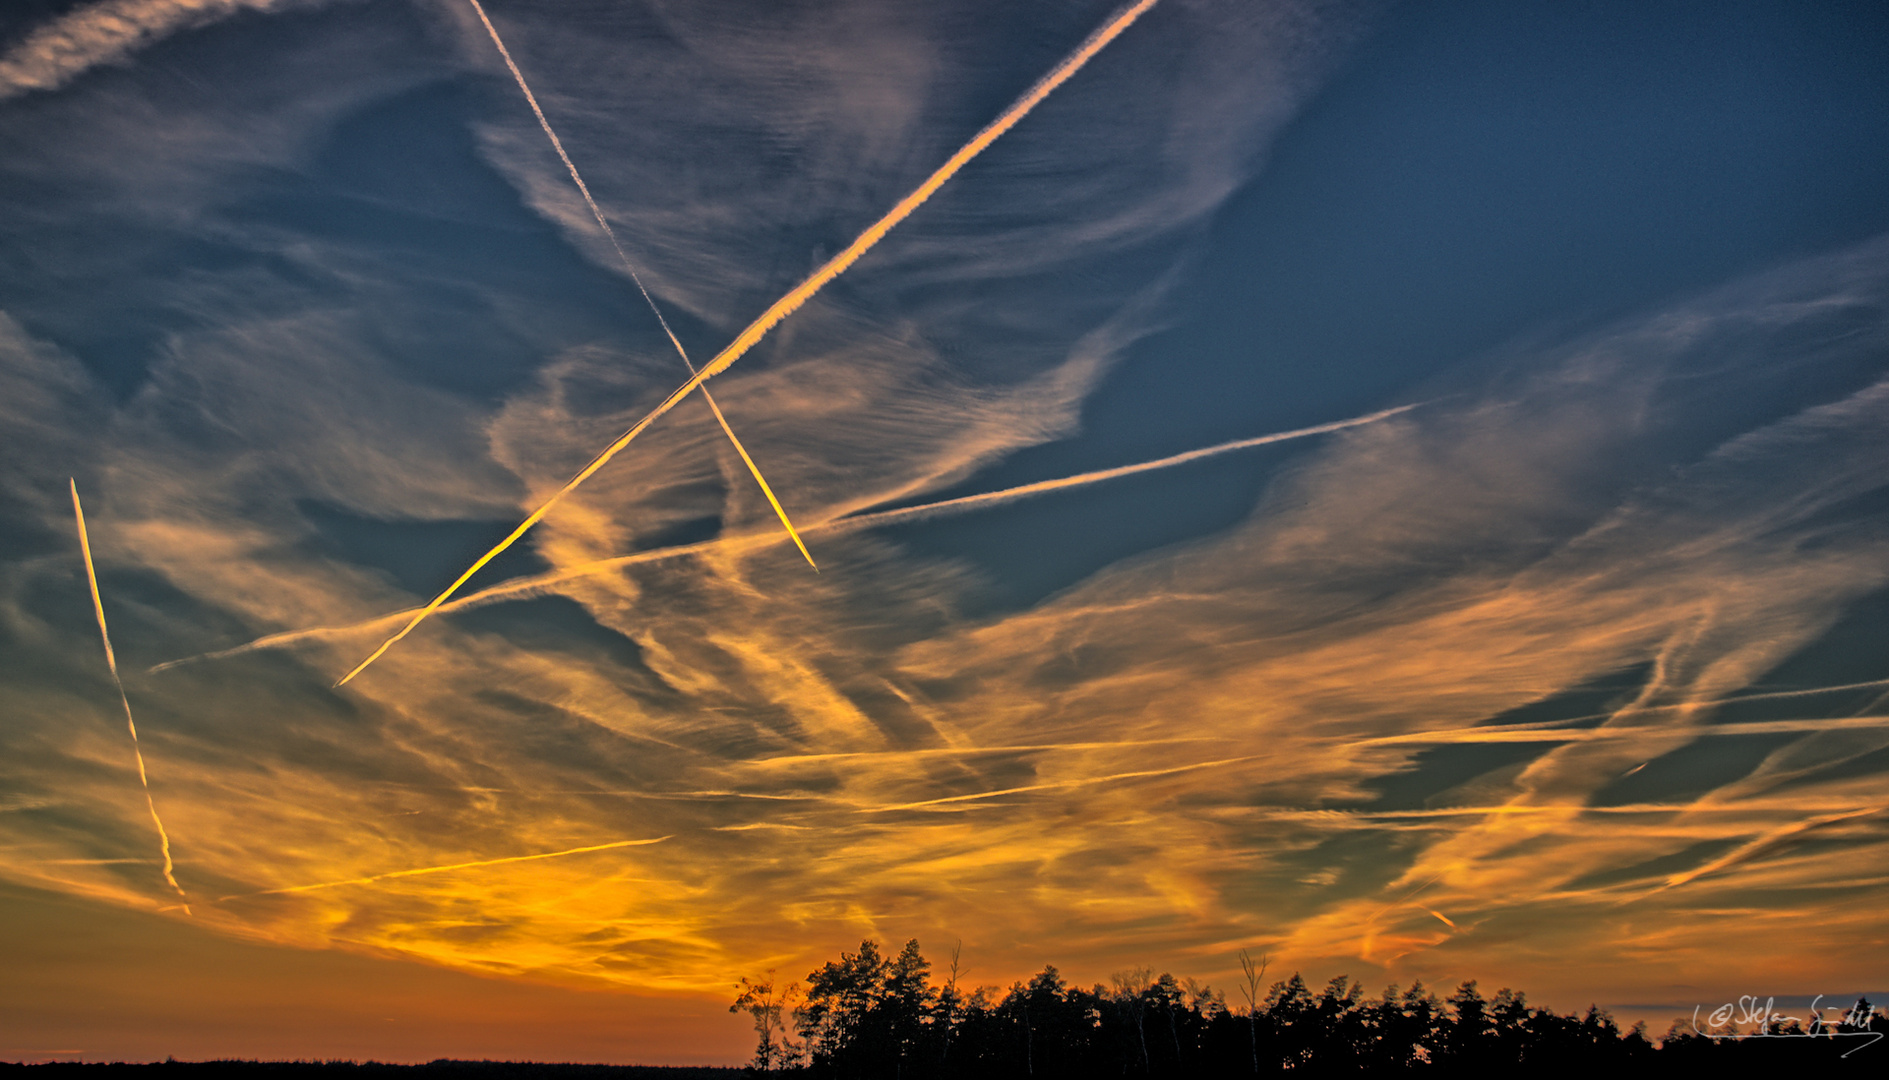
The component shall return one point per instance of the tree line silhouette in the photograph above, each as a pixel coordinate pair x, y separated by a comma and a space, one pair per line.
868, 1016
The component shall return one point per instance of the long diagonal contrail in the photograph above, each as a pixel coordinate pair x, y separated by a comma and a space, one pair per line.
924, 511
536, 583
584, 189
799, 295
1044, 487
111, 661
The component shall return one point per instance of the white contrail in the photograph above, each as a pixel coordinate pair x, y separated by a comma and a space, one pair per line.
584, 189
1044, 487
111, 661
943, 508
537, 583
786, 305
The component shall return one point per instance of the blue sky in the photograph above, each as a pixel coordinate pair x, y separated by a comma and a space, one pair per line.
300, 296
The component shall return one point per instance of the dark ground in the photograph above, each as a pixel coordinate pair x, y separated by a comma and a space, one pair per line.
361, 1070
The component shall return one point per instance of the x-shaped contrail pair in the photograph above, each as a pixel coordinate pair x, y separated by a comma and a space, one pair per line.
584, 189
746, 340
780, 309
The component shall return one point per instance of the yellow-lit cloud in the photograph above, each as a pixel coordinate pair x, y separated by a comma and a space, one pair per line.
539, 584
60, 50
449, 867
1459, 698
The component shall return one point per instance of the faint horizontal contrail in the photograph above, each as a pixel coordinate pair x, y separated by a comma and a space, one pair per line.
537, 583
972, 751
1055, 785
1363, 817
584, 189
1680, 706
786, 305
1527, 733
452, 866
1758, 845
111, 661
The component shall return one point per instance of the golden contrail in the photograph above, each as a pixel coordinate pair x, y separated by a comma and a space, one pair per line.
452, 866
528, 585
111, 661
786, 305
584, 189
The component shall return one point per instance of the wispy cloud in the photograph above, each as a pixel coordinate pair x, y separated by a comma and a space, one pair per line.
1263, 735
756, 726
540, 584
473, 864
107, 32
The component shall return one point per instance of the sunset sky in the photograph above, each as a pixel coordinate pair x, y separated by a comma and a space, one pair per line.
1546, 644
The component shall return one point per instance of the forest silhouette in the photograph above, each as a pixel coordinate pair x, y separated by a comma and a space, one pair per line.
869, 1015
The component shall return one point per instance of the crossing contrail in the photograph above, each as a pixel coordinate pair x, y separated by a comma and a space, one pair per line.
584, 189
799, 295
537, 583
111, 661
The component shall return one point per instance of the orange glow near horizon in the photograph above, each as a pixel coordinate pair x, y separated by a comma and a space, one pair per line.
894, 799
